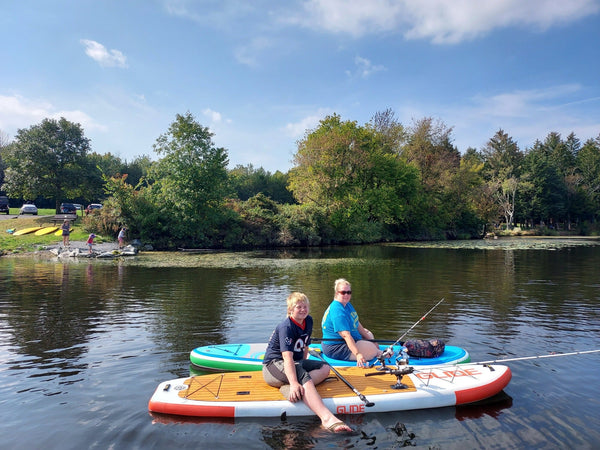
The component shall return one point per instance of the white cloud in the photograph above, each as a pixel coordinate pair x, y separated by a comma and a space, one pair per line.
214, 117
100, 54
364, 68
440, 21
248, 54
17, 112
297, 129
526, 115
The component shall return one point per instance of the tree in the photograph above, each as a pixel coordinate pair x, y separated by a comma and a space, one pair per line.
190, 184
502, 170
48, 160
547, 193
588, 164
247, 182
353, 175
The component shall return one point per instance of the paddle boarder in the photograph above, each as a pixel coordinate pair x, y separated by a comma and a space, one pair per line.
344, 337
286, 366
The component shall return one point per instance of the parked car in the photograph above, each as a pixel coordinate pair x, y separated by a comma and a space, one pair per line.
4, 204
92, 206
68, 208
28, 208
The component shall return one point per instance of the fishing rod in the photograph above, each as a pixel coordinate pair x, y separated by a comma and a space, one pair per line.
379, 341
494, 361
524, 358
339, 375
390, 350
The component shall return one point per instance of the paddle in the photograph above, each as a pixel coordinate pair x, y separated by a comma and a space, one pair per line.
339, 375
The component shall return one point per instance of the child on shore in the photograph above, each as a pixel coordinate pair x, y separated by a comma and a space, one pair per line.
90, 242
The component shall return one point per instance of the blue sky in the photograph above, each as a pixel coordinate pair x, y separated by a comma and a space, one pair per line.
260, 73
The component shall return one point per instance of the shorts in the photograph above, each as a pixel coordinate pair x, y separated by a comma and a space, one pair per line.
274, 372
337, 351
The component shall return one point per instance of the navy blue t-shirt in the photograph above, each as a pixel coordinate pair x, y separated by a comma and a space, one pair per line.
289, 337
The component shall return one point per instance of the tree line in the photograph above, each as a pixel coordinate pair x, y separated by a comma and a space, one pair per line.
349, 184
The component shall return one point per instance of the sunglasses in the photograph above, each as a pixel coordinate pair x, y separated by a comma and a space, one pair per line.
345, 292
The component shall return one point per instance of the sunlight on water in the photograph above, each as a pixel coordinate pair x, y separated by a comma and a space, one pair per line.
83, 345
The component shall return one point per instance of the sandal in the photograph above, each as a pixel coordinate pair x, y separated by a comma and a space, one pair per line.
339, 427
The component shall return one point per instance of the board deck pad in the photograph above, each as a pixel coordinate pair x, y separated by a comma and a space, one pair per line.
248, 357
241, 387
246, 394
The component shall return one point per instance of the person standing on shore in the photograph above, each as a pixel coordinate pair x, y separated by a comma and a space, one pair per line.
90, 242
66, 231
121, 237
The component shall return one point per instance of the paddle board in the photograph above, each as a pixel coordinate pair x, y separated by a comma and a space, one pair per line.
26, 231
249, 357
46, 230
59, 232
245, 394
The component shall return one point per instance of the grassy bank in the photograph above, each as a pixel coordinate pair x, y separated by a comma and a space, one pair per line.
31, 242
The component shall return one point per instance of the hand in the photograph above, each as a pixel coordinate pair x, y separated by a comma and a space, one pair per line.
296, 392
360, 360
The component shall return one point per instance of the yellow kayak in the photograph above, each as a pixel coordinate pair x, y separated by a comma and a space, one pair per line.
59, 232
26, 231
45, 230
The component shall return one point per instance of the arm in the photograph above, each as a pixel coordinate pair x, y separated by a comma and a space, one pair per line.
366, 334
349, 342
289, 366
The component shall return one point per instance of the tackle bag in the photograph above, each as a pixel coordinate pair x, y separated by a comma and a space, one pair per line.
425, 348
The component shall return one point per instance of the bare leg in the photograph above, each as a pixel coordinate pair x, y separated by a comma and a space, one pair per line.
368, 349
315, 403
313, 399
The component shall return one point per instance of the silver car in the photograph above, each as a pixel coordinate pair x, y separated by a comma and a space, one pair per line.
28, 208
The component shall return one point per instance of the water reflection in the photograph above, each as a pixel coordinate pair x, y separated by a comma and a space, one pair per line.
87, 342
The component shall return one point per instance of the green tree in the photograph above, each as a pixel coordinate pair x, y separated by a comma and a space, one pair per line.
190, 185
545, 197
351, 173
502, 170
48, 160
247, 182
588, 165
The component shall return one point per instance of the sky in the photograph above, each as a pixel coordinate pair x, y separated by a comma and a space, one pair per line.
260, 74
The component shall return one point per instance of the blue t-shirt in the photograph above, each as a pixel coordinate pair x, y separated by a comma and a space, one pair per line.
338, 318
289, 337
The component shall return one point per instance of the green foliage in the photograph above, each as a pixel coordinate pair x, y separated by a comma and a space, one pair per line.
187, 187
246, 182
47, 160
356, 176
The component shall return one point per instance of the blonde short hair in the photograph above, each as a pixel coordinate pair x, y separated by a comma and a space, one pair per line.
338, 282
294, 298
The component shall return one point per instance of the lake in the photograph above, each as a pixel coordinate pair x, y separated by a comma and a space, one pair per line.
84, 343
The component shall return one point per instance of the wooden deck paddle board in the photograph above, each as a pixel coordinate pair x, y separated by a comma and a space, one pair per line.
245, 394
45, 230
249, 357
26, 231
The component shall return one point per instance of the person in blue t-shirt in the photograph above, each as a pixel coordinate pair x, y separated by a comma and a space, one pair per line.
286, 366
340, 323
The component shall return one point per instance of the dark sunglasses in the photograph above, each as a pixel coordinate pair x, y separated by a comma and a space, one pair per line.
345, 292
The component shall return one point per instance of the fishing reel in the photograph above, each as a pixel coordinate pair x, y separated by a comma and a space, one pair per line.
398, 371
401, 359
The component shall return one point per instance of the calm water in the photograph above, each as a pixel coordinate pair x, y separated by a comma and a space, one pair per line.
84, 344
